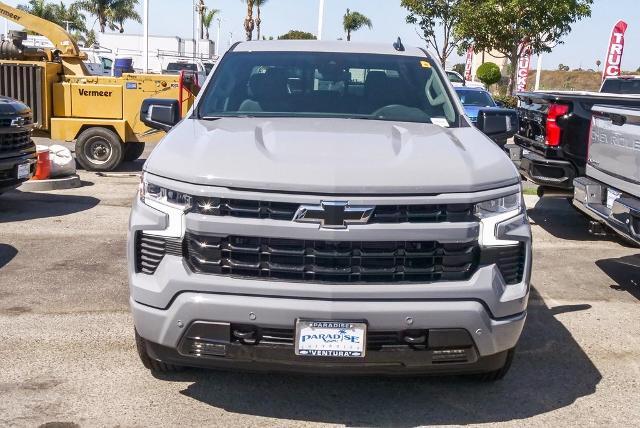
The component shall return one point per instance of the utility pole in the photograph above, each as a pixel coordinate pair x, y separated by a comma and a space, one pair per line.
320, 19
67, 22
538, 71
145, 43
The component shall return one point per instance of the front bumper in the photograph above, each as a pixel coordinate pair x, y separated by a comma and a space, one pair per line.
9, 168
624, 215
167, 303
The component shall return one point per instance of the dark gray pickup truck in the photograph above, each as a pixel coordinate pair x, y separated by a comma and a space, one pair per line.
610, 192
17, 151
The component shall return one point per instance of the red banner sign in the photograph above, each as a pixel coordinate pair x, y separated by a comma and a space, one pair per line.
469, 64
613, 60
523, 67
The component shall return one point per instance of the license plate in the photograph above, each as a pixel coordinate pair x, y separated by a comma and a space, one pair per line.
24, 170
612, 195
341, 339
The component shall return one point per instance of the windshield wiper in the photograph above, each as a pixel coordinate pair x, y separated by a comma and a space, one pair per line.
210, 118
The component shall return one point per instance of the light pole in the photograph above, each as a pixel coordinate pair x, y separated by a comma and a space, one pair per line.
67, 22
320, 19
538, 71
218, 37
145, 42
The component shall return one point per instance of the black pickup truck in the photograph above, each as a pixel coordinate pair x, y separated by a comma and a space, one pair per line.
17, 150
551, 146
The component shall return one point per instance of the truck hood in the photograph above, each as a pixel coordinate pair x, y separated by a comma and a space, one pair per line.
331, 156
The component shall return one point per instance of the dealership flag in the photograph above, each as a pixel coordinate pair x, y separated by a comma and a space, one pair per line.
614, 54
523, 66
469, 64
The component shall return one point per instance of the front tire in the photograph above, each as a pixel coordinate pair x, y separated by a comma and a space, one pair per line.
99, 149
133, 151
151, 364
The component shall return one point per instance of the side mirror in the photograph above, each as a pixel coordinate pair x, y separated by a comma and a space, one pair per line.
498, 124
500, 104
160, 114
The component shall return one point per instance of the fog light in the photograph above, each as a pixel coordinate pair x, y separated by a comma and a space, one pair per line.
449, 355
200, 349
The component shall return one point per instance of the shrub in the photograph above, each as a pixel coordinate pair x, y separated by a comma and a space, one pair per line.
297, 35
489, 73
507, 100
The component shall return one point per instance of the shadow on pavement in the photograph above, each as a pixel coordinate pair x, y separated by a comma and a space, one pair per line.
559, 218
20, 206
625, 272
7, 253
550, 372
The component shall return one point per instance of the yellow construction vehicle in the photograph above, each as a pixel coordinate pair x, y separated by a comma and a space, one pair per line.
100, 113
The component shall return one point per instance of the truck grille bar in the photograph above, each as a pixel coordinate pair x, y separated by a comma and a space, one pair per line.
420, 213
331, 261
15, 142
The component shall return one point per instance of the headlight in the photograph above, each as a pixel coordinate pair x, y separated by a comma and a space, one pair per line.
494, 212
499, 206
152, 194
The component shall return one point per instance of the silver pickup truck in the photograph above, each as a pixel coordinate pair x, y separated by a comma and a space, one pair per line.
610, 192
328, 207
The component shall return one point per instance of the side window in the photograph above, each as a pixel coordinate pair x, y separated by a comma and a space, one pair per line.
107, 64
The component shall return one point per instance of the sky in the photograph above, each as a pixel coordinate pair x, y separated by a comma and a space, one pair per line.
586, 43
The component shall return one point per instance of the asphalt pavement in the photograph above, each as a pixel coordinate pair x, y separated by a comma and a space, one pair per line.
67, 355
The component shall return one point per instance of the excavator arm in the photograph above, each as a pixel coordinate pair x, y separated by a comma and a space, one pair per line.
63, 42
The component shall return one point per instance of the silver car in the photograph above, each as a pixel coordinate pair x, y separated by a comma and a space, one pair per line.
327, 207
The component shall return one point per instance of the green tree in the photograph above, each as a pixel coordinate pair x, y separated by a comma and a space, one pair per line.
504, 27
207, 20
58, 13
297, 35
111, 14
460, 69
433, 16
489, 73
353, 21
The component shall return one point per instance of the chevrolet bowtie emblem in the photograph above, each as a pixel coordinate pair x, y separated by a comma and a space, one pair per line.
333, 215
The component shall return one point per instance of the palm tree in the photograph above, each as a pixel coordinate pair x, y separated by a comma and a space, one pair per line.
249, 23
111, 13
207, 20
353, 21
70, 17
40, 8
259, 3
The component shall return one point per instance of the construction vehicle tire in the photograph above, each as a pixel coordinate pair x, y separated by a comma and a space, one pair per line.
133, 151
99, 149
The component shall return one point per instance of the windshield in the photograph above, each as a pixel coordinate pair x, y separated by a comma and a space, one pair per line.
341, 85
179, 66
454, 77
208, 67
476, 99
621, 86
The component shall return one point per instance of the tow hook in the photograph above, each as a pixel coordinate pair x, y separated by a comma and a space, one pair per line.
246, 337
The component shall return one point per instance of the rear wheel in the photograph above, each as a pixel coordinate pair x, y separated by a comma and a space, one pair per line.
500, 373
99, 149
150, 363
133, 151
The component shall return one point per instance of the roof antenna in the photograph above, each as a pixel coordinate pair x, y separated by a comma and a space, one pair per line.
398, 45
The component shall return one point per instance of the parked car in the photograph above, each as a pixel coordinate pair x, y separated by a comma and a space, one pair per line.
198, 68
610, 192
621, 85
552, 141
359, 225
457, 80
476, 100
17, 150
